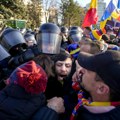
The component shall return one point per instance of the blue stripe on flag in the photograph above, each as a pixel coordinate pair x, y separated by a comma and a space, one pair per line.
107, 13
118, 5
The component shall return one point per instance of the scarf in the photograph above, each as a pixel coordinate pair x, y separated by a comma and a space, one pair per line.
82, 101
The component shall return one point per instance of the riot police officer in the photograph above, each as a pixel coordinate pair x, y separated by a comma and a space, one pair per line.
4, 69
74, 36
13, 41
30, 39
48, 42
15, 44
49, 38
64, 33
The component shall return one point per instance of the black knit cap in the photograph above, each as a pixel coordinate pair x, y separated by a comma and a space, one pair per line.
106, 65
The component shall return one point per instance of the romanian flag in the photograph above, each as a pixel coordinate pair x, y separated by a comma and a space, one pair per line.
116, 12
107, 14
91, 16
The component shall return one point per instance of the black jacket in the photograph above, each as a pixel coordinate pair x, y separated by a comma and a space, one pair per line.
55, 88
84, 114
45, 113
16, 104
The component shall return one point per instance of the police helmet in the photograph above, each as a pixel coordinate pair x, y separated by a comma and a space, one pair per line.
74, 36
77, 28
4, 57
49, 38
11, 38
64, 29
30, 38
3, 53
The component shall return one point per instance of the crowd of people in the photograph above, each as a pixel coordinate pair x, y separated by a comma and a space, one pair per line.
56, 73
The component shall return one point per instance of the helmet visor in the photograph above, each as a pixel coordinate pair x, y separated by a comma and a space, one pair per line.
31, 38
12, 39
3, 53
49, 43
76, 38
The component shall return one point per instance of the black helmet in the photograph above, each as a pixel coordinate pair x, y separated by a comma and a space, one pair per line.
3, 53
28, 30
4, 57
11, 38
76, 28
30, 38
74, 36
49, 38
64, 29
23, 31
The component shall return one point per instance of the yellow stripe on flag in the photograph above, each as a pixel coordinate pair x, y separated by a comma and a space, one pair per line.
103, 23
115, 15
96, 35
93, 4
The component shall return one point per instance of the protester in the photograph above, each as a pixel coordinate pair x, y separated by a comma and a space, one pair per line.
30, 39
64, 34
24, 93
60, 84
62, 68
87, 45
86, 31
99, 82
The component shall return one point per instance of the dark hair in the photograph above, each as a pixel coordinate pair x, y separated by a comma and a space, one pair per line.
105, 37
46, 63
113, 95
63, 55
88, 28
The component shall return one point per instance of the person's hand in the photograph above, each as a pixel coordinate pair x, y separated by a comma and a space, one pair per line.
57, 104
76, 77
76, 74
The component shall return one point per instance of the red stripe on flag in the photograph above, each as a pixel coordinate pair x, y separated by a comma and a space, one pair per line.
118, 18
90, 18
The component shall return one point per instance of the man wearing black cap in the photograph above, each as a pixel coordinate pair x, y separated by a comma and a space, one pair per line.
100, 79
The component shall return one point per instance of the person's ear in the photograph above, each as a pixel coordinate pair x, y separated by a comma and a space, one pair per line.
103, 89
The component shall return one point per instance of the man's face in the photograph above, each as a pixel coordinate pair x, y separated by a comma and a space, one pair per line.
65, 34
87, 80
86, 33
47, 48
63, 68
30, 43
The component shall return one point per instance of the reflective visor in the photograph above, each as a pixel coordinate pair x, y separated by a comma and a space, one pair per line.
3, 53
49, 43
11, 39
31, 38
76, 37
